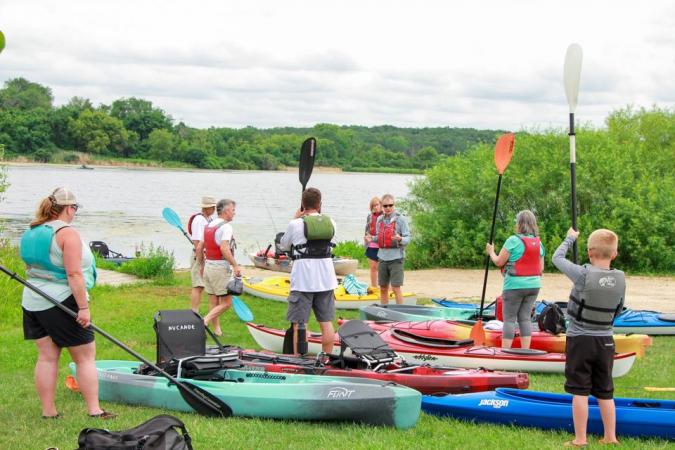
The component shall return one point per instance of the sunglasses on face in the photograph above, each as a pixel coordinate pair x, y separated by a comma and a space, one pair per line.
75, 207
391, 205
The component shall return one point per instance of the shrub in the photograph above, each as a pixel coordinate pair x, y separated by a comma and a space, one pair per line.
624, 182
42, 155
352, 249
71, 157
11, 289
155, 263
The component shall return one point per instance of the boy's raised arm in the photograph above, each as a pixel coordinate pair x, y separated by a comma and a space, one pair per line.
559, 259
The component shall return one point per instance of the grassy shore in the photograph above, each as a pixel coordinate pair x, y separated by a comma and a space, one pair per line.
126, 312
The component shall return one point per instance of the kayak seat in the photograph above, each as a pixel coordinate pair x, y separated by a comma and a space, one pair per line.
668, 317
524, 351
180, 334
365, 344
411, 338
102, 249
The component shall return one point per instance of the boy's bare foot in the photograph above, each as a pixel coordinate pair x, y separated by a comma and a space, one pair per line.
603, 441
218, 332
574, 444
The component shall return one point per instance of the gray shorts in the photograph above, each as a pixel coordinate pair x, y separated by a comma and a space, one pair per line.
390, 273
300, 305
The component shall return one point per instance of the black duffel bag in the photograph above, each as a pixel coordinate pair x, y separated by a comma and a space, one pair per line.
156, 433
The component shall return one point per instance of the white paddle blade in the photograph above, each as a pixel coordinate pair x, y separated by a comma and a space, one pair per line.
572, 75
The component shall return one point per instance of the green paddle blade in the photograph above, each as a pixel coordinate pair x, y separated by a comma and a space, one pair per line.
2, 42
171, 217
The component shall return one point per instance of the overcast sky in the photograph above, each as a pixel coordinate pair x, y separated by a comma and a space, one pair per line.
414, 63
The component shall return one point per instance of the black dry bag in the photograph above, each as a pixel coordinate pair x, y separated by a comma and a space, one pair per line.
160, 432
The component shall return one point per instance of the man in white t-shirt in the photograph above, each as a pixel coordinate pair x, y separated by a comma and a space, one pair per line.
219, 246
195, 226
313, 274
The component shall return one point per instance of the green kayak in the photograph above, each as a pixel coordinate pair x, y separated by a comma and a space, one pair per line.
254, 393
415, 313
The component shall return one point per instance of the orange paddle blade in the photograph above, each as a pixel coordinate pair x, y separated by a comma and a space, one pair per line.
504, 151
71, 383
477, 334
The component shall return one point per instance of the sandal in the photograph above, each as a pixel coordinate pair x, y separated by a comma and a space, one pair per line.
57, 416
574, 445
103, 415
602, 441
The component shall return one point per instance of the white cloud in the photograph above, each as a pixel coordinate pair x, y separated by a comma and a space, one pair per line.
296, 63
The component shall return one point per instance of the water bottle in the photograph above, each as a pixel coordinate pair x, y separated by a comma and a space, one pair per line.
302, 338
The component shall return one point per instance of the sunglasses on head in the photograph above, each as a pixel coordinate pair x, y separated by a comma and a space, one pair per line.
391, 205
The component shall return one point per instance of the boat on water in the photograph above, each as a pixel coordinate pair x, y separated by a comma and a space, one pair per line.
277, 288
634, 416
251, 393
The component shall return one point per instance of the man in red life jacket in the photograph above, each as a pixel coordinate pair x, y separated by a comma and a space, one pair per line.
392, 236
219, 246
195, 228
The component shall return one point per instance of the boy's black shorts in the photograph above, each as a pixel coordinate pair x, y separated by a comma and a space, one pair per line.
62, 328
588, 366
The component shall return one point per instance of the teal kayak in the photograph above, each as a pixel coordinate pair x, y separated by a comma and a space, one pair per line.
255, 393
415, 313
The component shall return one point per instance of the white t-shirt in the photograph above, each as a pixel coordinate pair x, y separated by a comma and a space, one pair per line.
198, 224
224, 233
308, 275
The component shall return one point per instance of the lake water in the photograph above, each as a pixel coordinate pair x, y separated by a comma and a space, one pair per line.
123, 206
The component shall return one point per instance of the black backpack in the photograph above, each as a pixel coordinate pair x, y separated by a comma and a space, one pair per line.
156, 433
552, 319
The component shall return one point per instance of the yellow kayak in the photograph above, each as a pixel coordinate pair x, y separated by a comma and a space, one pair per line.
277, 288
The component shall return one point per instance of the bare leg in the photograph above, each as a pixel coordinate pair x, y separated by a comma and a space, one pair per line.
46, 373
295, 340
327, 337
195, 298
398, 294
373, 272
224, 303
525, 341
608, 414
580, 417
507, 343
215, 322
384, 295
87, 377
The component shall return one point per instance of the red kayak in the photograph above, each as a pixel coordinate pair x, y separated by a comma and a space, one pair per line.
416, 347
426, 379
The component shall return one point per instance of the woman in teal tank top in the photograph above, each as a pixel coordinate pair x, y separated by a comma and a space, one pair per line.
522, 262
60, 264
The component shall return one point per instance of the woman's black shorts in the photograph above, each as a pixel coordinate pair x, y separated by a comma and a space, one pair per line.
371, 253
52, 322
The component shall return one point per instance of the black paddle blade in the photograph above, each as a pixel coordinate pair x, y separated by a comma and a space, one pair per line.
307, 155
202, 401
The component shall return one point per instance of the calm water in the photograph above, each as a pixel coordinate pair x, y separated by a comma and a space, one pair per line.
123, 206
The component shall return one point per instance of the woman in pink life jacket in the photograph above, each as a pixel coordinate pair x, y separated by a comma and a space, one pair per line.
371, 245
522, 262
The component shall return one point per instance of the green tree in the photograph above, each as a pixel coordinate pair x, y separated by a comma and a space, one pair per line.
20, 93
60, 120
161, 145
97, 132
140, 116
25, 131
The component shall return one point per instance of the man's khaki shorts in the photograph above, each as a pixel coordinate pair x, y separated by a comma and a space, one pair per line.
195, 273
216, 277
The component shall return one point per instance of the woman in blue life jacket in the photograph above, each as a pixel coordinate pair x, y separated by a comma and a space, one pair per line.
522, 262
60, 264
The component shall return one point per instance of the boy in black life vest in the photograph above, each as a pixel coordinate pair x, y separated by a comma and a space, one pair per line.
597, 297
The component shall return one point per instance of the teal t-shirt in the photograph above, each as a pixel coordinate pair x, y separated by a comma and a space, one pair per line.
516, 248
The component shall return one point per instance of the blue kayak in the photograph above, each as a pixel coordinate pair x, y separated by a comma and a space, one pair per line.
635, 321
634, 417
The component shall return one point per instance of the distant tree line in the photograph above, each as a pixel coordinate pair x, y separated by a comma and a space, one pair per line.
30, 125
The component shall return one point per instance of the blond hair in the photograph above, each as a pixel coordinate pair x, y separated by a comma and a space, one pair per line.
526, 223
603, 243
373, 201
47, 210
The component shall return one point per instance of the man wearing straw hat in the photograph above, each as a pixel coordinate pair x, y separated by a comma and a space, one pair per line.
196, 224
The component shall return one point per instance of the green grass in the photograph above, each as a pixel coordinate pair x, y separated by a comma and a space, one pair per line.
126, 313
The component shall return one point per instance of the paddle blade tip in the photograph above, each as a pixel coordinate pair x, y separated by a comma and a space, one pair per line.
504, 151
572, 74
